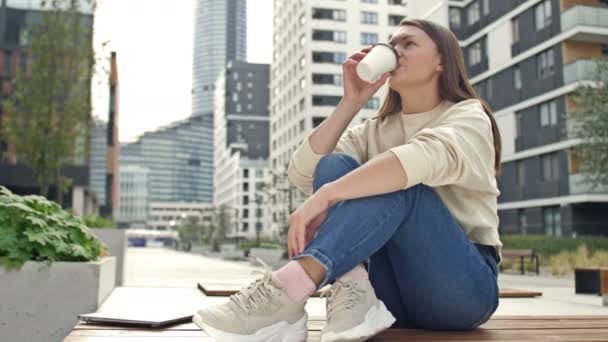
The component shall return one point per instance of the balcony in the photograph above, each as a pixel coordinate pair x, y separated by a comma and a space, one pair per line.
592, 19
578, 186
579, 70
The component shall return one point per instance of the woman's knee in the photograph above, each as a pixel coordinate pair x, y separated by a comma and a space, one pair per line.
331, 167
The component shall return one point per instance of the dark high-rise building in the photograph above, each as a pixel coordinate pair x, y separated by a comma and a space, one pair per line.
527, 58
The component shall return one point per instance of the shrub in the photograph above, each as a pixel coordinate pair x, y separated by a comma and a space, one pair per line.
34, 228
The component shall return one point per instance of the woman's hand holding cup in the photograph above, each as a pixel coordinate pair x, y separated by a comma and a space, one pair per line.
356, 90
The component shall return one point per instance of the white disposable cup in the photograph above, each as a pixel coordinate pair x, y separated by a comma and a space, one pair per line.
382, 58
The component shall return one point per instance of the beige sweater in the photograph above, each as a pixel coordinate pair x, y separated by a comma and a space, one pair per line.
449, 148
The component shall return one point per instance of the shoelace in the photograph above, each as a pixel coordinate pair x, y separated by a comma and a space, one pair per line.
343, 294
257, 293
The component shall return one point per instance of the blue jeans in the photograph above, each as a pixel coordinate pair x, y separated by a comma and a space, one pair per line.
421, 263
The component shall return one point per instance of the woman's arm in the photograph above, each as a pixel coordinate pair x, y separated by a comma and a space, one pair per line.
381, 174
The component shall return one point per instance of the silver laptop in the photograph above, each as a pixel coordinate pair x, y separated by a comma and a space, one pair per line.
139, 319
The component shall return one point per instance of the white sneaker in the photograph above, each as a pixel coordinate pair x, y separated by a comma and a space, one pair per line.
354, 313
260, 312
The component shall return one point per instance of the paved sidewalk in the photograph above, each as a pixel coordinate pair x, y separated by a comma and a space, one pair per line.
158, 267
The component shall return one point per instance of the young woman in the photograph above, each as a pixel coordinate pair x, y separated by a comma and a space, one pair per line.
411, 193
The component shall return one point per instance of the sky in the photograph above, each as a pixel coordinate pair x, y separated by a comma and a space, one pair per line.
153, 42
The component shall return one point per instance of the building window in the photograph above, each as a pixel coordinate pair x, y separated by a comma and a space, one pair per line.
302, 104
302, 83
397, 2
550, 166
325, 100
302, 39
515, 29
520, 173
327, 35
331, 79
454, 18
245, 226
302, 62
245, 202
548, 114
519, 125
245, 186
473, 13
517, 78
369, 18
373, 103
489, 90
523, 222
394, 19
369, 1
245, 173
475, 53
486, 7
542, 14
328, 57
235, 75
552, 220
302, 123
369, 38
331, 14
545, 64
235, 97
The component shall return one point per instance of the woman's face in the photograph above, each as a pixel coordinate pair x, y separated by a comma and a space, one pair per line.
419, 60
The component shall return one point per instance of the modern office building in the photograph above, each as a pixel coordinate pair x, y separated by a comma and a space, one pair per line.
134, 196
241, 147
170, 215
220, 35
311, 40
178, 159
527, 58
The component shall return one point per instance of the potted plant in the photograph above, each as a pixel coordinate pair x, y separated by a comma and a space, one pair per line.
52, 268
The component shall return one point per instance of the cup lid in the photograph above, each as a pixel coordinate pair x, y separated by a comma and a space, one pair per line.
390, 47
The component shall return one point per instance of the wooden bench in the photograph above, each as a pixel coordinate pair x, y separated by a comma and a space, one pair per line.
591, 280
522, 254
499, 328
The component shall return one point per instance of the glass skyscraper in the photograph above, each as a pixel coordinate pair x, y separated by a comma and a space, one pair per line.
178, 159
220, 35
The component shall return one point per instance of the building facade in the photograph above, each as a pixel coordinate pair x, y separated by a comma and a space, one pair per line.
311, 40
178, 160
220, 35
241, 148
527, 59
134, 196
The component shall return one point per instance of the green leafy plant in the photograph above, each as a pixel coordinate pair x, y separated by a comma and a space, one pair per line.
34, 228
96, 221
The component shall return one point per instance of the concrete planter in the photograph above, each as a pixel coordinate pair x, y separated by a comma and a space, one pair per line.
40, 303
272, 257
116, 241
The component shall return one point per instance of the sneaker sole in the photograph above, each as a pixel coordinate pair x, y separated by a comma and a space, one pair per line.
278, 332
377, 319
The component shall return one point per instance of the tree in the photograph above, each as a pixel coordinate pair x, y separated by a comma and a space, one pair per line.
49, 108
591, 127
221, 225
191, 229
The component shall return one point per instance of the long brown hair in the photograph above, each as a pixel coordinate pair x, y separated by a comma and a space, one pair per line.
454, 84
